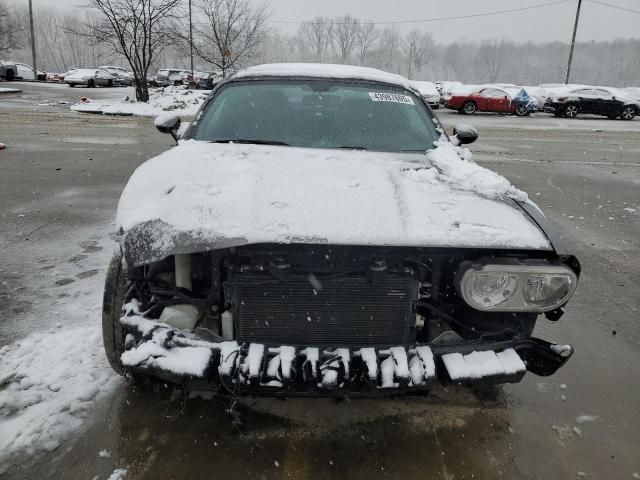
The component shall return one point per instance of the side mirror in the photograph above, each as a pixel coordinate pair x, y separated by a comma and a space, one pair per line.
168, 123
464, 134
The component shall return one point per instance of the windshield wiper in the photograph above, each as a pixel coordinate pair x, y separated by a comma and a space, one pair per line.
244, 140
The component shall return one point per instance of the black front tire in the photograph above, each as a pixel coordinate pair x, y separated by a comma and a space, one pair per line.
522, 111
91, 84
571, 111
113, 297
10, 75
628, 113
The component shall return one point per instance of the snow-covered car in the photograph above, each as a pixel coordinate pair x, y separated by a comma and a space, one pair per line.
609, 102
171, 76
62, 76
90, 77
493, 99
206, 80
429, 93
121, 77
539, 93
316, 232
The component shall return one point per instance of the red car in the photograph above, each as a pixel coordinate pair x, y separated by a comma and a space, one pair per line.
492, 99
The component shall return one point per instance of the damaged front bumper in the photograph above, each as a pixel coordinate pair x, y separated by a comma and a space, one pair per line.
180, 357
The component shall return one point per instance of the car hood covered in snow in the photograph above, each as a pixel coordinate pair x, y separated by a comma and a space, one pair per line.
202, 196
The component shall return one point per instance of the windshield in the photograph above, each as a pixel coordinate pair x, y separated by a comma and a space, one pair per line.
318, 114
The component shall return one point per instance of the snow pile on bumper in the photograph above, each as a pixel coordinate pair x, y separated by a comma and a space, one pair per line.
191, 361
483, 364
175, 355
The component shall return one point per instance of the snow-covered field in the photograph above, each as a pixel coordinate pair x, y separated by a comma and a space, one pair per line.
178, 100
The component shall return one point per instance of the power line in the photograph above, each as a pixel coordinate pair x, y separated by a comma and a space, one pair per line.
434, 19
614, 6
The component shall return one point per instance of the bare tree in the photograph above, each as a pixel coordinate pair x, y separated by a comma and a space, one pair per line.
10, 29
418, 48
136, 29
368, 34
491, 54
344, 35
389, 44
231, 32
316, 36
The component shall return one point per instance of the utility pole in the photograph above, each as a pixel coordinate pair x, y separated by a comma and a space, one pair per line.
573, 42
33, 42
190, 38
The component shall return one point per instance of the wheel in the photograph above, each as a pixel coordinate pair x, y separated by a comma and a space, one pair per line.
435, 107
571, 111
10, 75
628, 113
112, 335
110, 83
91, 84
469, 107
522, 110
72, 85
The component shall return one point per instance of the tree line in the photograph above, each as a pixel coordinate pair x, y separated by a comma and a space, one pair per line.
144, 35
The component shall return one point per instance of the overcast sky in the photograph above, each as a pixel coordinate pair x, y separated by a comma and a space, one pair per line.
597, 22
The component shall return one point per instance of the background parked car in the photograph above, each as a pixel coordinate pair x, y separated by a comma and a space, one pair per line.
206, 80
8, 71
170, 76
62, 76
90, 77
539, 93
20, 71
26, 72
609, 102
493, 99
122, 77
429, 93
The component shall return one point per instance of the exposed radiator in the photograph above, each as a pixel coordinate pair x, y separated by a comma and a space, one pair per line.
347, 311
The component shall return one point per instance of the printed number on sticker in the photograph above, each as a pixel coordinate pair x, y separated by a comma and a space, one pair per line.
391, 97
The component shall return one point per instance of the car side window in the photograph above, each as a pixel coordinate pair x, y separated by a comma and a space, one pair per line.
602, 93
495, 93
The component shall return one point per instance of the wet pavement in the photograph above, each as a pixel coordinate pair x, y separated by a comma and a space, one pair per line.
63, 173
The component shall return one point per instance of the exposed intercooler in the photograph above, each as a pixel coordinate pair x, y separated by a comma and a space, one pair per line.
352, 310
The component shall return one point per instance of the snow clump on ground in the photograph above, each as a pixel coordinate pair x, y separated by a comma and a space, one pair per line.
178, 100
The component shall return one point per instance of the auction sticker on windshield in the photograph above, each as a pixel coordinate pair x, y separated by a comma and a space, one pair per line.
391, 97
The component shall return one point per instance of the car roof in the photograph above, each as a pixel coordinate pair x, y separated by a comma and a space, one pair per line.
323, 70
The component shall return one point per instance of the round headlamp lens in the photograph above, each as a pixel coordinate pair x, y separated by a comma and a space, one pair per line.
546, 290
489, 289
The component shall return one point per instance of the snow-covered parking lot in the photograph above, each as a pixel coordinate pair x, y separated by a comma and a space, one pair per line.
64, 414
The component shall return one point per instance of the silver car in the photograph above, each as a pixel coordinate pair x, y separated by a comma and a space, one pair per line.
90, 77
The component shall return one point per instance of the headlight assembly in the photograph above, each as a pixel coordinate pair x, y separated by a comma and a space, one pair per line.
508, 286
